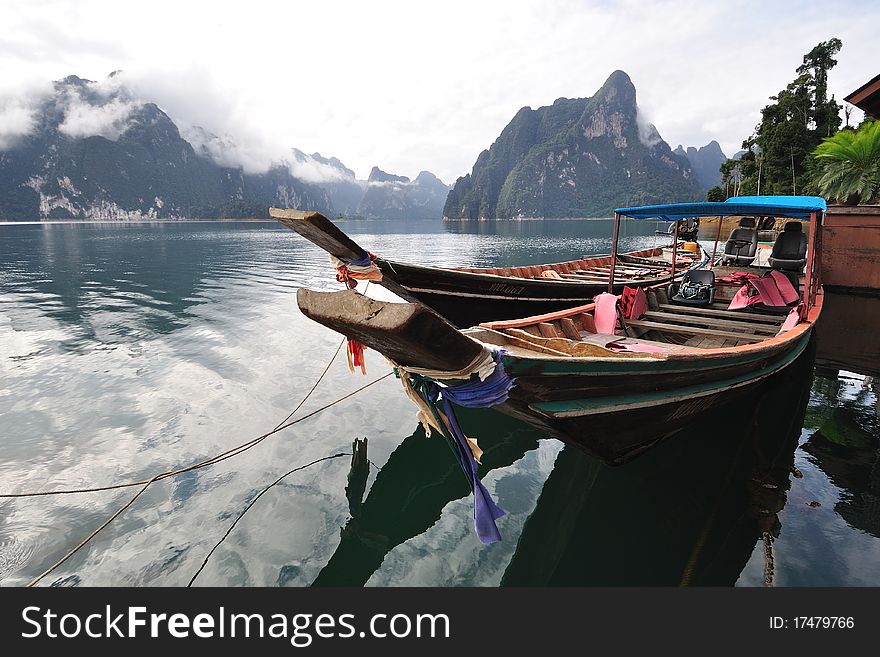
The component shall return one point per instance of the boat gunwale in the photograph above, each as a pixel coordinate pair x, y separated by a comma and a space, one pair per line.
486, 273
668, 396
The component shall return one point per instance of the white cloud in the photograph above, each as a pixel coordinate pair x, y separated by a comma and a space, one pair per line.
16, 121
389, 183
310, 170
83, 119
428, 86
18, 109
225, 150
647, 132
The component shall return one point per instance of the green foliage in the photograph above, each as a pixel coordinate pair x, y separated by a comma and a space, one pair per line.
778, 158
716, 195
239, 209
848, 165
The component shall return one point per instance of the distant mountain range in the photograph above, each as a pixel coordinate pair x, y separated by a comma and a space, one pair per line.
397, 197
97, 152
706, 162
382, 194
578, 157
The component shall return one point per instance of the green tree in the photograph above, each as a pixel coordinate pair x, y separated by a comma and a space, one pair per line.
848, 165
778, 157
716, 195
817, 63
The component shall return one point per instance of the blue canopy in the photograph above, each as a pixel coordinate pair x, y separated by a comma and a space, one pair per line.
794, 207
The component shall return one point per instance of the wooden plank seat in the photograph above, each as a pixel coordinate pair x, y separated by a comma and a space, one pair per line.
602, 339
739, 315
595, 278
694, 330
712, 322
726, 302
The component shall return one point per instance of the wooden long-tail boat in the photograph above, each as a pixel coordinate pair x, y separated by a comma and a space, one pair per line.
467, 296
601, 390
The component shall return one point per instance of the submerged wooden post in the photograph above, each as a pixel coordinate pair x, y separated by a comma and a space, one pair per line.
715, 247
614, 252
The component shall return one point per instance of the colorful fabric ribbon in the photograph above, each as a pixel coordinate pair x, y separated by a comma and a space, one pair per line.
491, 391
352, 271
355, 354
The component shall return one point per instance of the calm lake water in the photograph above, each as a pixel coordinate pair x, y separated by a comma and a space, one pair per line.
131, 349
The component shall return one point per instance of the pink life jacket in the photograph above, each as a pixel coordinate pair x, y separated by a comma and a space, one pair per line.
786, 289
774, 290
605, 313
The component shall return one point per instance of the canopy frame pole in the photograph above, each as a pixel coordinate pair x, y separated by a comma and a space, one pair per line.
820, 238
811, 273
674, 249
715, 247
614, 241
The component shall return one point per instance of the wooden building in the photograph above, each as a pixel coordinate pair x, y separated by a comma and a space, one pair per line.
851, 236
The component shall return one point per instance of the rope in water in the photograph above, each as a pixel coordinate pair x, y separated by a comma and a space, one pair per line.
214, 459
253, 501
284, 424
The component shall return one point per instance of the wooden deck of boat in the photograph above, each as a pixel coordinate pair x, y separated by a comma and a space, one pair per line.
668, 326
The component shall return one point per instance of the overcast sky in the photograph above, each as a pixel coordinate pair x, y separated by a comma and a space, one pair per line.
414, 85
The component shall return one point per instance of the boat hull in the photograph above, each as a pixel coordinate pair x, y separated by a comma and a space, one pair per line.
616, 417
613, 406
467, 298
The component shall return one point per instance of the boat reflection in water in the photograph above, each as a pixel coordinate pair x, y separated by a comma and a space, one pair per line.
688, 512
843, 418
420, 477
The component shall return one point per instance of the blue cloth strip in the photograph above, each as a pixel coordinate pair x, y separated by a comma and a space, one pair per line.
471, 394
366, 261
486, 512
481, 394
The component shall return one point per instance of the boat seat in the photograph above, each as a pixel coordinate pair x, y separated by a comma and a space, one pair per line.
697, 288
742, 245
790, 249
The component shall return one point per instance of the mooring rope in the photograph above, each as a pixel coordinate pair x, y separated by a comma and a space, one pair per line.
90, 536
253, 501
214, 459
284, 424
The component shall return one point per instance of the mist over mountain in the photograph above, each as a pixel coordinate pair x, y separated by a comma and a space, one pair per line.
96, 150
344, 189
398, 197
578, 157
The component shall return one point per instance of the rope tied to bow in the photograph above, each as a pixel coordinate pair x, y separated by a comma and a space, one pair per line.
352, 271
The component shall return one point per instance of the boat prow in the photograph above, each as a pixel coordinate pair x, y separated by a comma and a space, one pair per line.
322, 232
409, 334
